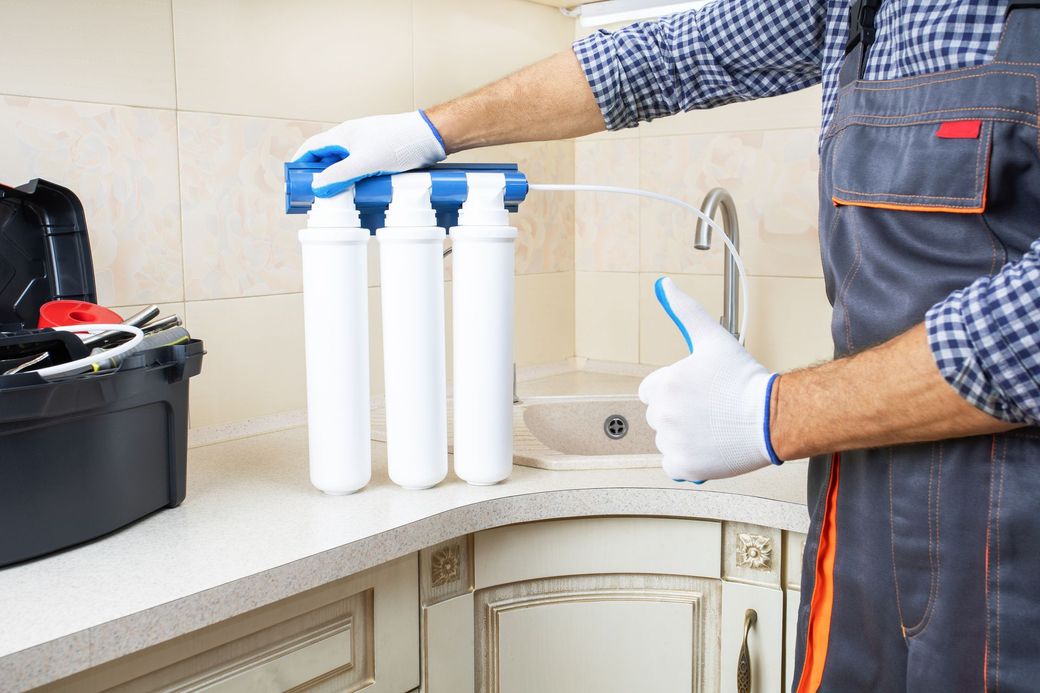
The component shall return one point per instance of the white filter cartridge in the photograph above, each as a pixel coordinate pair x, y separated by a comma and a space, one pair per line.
483, 252
335, 310
412, 278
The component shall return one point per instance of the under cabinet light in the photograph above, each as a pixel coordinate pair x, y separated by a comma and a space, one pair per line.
611, 11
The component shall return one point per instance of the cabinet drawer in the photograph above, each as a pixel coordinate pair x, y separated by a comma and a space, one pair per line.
601, 545
358, 633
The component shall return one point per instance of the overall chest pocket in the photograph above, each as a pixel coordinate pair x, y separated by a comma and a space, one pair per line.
920, 167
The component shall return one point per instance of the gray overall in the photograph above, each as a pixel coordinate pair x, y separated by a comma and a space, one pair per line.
922, 564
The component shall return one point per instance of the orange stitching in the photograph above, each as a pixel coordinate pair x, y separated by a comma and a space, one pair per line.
1000, 497
923, 197
989, 524
892, 544
944, 110
936, 562
917, 208
846, 285
928, 83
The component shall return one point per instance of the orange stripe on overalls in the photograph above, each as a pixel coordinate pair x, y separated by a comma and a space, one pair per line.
819, 629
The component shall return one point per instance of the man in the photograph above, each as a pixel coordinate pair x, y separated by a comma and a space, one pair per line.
923, 553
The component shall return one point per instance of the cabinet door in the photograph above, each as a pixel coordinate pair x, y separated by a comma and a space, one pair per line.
794, 547
598, 604
791, 599
604, 633
765, 639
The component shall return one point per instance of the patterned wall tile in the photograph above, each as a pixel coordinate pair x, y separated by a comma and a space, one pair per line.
122, 163
238, 239
606, 226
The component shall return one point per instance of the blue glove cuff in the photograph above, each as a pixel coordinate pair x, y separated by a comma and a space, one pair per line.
765, 424
434, 129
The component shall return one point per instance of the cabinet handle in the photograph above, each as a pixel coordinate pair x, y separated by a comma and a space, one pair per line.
744, 660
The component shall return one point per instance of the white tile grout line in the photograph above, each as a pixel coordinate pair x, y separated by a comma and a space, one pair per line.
180, 189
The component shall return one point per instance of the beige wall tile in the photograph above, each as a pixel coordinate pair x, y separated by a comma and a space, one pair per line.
544, 318
606, 225
801, 109
375, 341
326, 60
660, 342
238, 239
606, 316
546, 219
772, 176
122, 163
254, 364
461, 45
687, 167
789, 324
780, 237
107, 51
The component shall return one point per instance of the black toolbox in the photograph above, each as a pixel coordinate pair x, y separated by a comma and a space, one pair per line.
86, 455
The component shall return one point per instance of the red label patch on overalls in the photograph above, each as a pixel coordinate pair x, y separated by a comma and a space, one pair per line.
960, 130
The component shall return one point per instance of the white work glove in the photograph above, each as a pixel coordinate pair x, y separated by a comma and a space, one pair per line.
371, 146
711, 409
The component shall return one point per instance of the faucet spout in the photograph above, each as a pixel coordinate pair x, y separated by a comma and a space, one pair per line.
716, 199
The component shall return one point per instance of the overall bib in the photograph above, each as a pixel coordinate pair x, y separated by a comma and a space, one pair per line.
922, 564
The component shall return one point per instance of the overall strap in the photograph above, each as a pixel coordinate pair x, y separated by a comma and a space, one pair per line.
862, 32
1021, 39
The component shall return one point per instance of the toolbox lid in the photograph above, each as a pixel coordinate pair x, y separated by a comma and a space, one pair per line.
44, 251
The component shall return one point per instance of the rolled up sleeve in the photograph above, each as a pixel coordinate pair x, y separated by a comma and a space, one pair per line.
986, 341
730, 50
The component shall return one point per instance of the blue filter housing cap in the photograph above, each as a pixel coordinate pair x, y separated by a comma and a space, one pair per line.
373, 195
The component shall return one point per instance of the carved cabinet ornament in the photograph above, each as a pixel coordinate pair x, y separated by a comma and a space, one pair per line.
444, 566
754, 551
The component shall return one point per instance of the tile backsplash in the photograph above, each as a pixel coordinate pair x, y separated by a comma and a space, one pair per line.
171, 119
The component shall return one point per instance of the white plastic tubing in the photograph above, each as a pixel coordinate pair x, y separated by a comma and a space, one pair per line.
552, 187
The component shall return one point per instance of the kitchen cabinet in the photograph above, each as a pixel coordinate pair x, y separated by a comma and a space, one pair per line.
604, 604
794, 547
359, 633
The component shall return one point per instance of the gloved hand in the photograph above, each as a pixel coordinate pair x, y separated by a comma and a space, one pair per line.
711, 409
371, 146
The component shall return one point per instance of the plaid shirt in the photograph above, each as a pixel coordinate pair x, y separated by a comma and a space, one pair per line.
985, 337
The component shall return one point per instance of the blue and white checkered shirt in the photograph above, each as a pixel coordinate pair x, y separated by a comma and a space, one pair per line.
985, 337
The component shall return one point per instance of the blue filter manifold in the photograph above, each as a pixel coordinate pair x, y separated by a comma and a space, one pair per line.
373, 195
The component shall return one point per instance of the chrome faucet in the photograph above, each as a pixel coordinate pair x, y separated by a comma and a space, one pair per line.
716, 198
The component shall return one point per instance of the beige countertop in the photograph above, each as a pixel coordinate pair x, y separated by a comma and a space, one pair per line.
253, 531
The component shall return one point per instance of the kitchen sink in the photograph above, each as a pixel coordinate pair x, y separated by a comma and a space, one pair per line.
583, 432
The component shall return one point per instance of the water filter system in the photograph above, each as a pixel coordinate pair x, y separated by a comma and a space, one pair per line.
410, 214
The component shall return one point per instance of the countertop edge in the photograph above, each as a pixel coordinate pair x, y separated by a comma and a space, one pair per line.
106, 642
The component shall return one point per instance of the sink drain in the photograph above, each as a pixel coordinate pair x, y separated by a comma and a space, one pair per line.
616, 426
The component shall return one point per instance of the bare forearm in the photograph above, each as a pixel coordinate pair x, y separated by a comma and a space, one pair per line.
887, 395
546, 101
